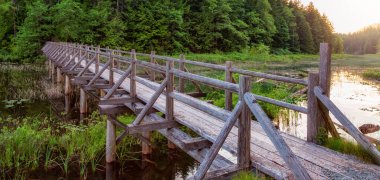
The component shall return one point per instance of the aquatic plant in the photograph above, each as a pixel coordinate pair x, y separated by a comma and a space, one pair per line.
372, 74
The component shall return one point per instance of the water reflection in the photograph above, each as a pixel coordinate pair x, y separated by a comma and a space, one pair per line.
356, 97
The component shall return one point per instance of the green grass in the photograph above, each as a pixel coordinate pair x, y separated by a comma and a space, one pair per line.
30, 143
347, 147
372, 74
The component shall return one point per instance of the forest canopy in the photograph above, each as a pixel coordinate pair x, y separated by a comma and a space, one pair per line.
166, 26
364, 41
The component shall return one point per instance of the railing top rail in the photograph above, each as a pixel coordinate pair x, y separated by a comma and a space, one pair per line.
203, 64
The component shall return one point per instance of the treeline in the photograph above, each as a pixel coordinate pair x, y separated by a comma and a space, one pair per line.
166, 26
365, 41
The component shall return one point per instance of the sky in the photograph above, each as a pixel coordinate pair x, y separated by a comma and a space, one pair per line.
349, 15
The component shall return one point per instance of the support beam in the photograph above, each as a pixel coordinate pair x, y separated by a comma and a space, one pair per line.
145, 147
117, 101
83, 101
59, 75
313, 122
110, 141
196, 143
68, 87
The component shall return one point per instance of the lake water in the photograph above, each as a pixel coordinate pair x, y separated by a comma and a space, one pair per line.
357, 98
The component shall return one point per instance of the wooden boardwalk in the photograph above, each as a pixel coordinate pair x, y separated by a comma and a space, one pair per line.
208, 121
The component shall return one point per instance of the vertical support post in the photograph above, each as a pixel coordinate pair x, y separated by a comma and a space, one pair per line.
169, 114
132, 76
97, 60
325, 83
110, 141
244, 125
52, 72
83, 102
228, 94
49, 69
68, 88
112, 65
152, 73
181, 67
313, 122
59, 75
118, 62
146, 149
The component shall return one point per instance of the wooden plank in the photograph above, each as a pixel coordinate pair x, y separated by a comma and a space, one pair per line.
353, 131
133, 129
325, 83
244, 124
211, 154
228, 94
291, 160
196, 143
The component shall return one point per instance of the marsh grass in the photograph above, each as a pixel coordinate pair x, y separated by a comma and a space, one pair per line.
348, 147
32, 143
372, 74
22, 81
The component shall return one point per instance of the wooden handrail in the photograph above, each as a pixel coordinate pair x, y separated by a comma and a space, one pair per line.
353, 131
286, 153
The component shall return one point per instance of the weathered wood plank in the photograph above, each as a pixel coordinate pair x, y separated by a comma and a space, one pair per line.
117, 101
196, 143
133, 129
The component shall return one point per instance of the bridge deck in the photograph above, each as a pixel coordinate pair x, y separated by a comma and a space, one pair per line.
320, 162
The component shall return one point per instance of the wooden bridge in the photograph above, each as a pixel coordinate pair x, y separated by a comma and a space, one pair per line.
229, 140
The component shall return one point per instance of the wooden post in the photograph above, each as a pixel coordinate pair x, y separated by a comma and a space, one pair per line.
244, 125
118, 62
169, 114
132, 76
97, 60
110, 141
112, 65
68, 88
49, 69
181, 82
152, 73
59, 75
83, 101
313, 122
325, 83
228, 94
146, 149
52, 72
